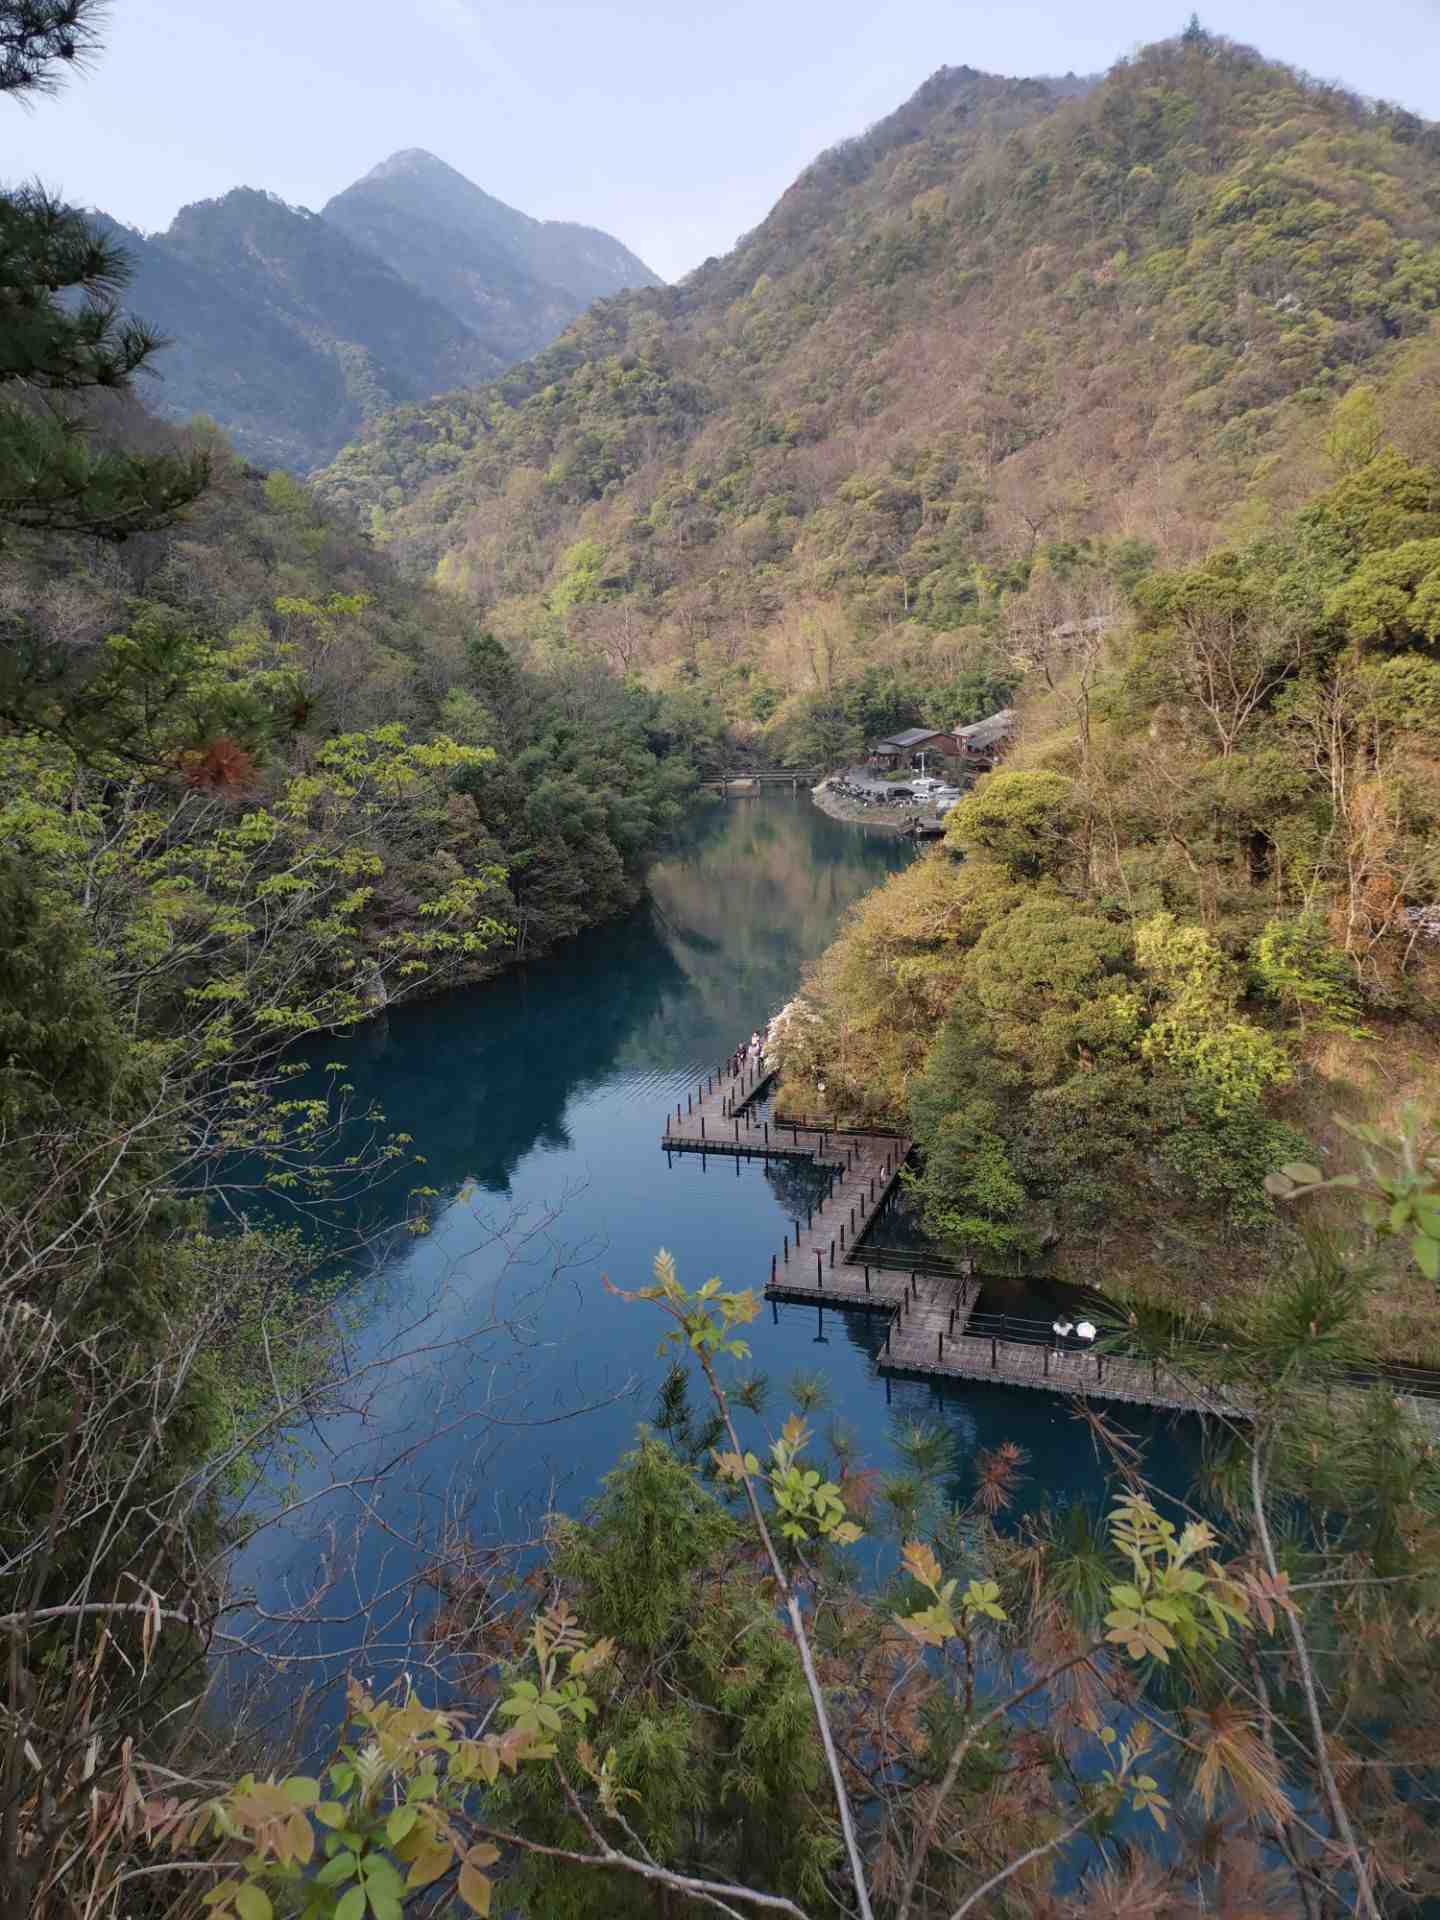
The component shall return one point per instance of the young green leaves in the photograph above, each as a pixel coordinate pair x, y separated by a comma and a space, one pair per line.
948, 1617
703, 1320
1400, 1186
808, 1506
1174, 1599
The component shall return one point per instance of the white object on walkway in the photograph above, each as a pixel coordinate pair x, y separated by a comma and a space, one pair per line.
1085, 1330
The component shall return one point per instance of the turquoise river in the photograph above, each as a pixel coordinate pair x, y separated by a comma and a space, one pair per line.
491, 1373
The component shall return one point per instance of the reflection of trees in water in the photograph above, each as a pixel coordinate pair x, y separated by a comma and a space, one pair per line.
481, 1077
898, 1224
748, 910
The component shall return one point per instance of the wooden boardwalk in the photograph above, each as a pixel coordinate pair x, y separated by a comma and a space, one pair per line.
935, 1330
723, 1116
751, 781
821, 1261
938, 1333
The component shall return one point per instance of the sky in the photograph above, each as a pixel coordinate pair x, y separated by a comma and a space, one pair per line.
674, 125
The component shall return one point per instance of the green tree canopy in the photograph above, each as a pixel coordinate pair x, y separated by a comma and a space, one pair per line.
1024, 820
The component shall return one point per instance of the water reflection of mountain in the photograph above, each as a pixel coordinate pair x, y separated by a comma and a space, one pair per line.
747, 910
482, 1077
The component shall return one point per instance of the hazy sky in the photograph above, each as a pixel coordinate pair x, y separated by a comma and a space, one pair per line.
674, 124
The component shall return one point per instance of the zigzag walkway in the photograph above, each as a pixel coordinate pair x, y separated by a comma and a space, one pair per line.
722, 1116
936, 1329
822, 1260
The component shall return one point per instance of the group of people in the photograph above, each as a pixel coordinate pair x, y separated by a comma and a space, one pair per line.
1070, 1334
747, 1054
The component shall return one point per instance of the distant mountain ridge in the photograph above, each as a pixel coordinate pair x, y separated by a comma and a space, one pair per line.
293, 329
404, 206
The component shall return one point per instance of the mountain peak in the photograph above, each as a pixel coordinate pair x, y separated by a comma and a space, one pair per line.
475, 253
409, 160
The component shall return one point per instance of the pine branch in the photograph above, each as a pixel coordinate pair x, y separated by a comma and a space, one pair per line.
41, 41
1338, 1812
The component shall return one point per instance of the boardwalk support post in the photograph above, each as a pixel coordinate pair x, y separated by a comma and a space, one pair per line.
702, 1126
992, 1353
832, 1253
842, 1236
867, 1279
737, 1133
939, 1346
787, 1249
773, 1272
819, 1269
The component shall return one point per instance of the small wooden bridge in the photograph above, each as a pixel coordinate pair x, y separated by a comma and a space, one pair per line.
825, 1259
746, 779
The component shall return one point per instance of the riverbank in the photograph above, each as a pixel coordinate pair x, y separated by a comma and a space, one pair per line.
884, 819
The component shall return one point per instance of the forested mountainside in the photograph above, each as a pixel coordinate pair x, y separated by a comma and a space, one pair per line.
1004, 327
1190, 933
285, 332
293, 329
261, 665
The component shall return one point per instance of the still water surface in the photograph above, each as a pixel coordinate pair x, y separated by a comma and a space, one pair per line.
538, 1102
